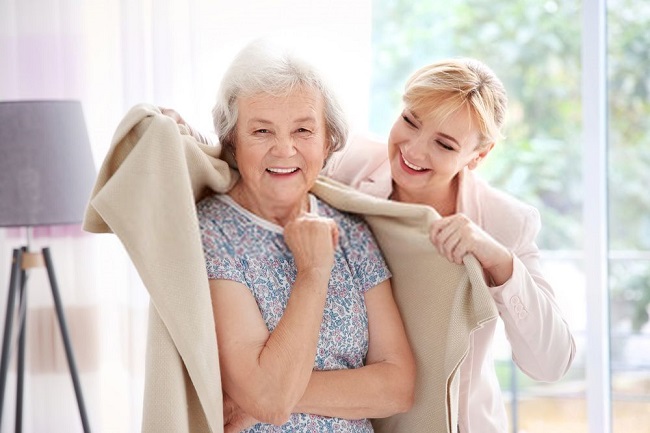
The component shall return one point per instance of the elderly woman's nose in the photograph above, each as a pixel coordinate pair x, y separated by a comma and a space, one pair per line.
284, 146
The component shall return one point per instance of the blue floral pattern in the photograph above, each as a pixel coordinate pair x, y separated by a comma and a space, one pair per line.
241, 247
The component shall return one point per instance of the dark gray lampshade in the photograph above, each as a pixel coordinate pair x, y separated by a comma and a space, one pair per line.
46, 166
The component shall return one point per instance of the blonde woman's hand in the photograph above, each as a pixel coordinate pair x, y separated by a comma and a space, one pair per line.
456, 235
175, 115
170, 112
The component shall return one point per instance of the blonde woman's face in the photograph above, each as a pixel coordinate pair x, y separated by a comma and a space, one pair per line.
426, 155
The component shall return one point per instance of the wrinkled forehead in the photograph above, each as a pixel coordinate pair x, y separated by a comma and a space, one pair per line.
304, 106
279, 91
302, 97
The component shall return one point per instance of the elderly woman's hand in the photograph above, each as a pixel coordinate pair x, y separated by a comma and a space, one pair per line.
312, 240
234, 418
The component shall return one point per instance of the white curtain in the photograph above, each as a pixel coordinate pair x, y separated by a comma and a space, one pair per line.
111, 55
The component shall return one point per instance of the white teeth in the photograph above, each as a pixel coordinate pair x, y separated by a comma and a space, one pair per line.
282, 170
411, 165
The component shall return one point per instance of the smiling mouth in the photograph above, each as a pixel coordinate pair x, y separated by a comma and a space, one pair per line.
277, 170
410, 165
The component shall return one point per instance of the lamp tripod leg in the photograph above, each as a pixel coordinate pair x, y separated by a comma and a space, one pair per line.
14, 281
22, 333
66, 339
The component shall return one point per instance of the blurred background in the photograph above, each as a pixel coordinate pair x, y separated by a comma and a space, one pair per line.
111, 55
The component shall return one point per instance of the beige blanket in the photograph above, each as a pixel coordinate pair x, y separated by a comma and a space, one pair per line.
145, 194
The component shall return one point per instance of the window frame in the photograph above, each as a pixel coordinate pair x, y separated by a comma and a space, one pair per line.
595, 215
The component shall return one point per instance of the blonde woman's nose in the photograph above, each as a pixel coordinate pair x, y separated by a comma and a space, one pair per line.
418, 145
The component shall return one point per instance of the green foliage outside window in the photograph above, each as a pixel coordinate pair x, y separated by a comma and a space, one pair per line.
629, 159
535, 48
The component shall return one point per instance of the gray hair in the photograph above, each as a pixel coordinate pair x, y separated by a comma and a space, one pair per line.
262, 68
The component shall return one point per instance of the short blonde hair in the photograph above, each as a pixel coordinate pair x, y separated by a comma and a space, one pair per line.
441, 89
264, 68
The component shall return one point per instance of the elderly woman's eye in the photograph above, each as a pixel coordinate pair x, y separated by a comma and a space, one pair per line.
261, 131
303, 130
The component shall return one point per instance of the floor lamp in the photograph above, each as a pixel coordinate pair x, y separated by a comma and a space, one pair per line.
46, 174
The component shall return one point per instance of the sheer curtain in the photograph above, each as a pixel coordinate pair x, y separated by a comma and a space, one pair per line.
111, 55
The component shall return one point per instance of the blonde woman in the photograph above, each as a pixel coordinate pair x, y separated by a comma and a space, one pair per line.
452, 118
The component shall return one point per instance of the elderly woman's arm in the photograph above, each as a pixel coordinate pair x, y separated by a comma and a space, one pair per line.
385, 385
266, 373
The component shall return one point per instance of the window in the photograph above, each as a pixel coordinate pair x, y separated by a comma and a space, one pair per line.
536, 49
628, 178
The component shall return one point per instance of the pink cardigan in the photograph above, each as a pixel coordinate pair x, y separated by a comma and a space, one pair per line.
542, 344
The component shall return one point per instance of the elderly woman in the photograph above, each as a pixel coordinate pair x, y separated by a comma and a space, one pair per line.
309, 336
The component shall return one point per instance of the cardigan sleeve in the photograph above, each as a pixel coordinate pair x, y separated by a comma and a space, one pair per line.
542, 344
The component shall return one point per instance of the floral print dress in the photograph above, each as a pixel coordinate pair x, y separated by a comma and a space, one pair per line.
243, 247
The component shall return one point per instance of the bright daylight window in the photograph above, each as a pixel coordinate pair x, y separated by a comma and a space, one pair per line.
535, 47
629, 208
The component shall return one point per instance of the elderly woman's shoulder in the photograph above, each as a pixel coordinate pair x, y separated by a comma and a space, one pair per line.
209, 203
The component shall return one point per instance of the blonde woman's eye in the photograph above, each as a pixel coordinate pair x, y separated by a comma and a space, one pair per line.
444, 145
407, 120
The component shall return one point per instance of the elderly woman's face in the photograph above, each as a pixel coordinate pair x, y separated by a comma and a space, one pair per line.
281, 145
